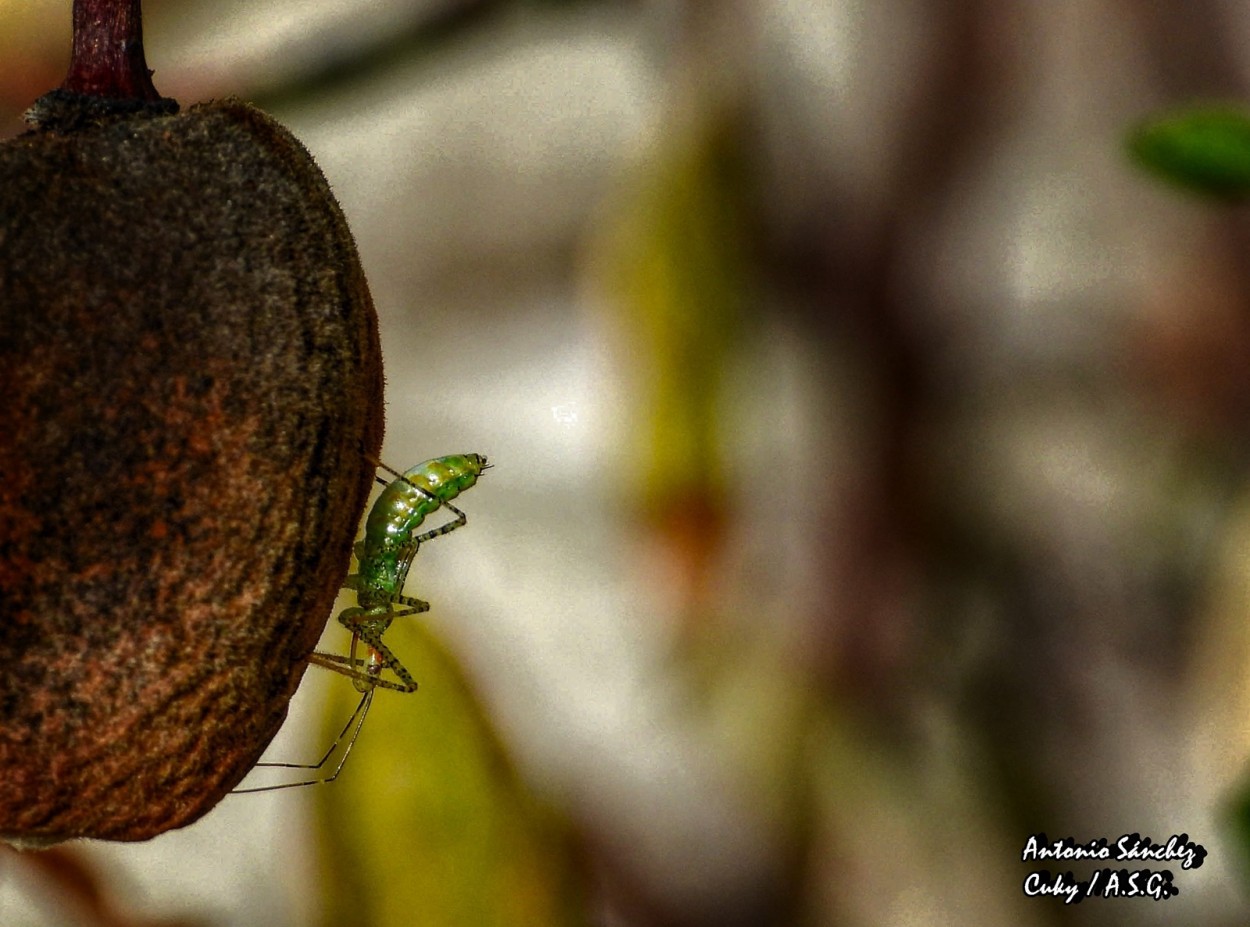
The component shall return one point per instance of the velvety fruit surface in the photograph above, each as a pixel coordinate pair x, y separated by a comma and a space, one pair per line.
190, 392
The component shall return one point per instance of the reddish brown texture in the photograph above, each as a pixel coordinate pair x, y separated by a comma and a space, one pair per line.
108, 58
192, 390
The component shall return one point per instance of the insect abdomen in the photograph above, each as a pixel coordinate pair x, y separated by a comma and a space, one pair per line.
405, 503
444, 478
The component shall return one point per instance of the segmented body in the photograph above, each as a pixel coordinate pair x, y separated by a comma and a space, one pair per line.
385, 555
386, 551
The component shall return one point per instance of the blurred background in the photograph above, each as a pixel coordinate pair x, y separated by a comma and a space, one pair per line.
871, 449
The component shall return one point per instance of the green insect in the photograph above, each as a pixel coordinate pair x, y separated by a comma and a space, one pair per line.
385, 555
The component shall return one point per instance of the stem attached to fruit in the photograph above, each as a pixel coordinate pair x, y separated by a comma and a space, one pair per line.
108, 52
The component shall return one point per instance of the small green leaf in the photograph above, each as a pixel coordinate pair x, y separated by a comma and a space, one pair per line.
1204, 149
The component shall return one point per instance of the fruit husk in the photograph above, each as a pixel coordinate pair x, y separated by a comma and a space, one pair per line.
190, 395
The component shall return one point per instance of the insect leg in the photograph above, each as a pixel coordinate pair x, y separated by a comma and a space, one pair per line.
361, 672
337, 663
357, 720
368, 625
382, 656
417, 606
458, 522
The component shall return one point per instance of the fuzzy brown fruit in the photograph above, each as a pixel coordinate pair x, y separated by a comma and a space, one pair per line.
190, 392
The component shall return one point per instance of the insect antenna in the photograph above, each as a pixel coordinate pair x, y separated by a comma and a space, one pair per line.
381, 466
399, 476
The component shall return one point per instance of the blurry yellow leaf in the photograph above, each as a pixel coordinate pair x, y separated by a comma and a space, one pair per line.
429, 823
674, 262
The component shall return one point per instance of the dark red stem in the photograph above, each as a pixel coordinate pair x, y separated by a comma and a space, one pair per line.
108, 51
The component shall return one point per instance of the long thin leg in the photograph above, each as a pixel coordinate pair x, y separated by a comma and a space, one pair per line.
418, 606
337, 663
382, 658
356, 620
459, 522
357, 719
368, 625
359, 713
